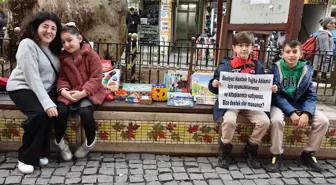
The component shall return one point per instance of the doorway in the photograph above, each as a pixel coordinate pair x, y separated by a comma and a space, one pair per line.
187, 20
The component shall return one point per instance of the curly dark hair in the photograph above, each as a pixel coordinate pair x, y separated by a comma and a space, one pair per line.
30, 30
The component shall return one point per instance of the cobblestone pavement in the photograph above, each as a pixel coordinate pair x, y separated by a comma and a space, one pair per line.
149, 169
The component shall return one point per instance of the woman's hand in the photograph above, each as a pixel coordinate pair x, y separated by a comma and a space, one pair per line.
52, 112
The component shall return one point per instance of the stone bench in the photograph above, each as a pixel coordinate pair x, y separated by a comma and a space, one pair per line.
163, 129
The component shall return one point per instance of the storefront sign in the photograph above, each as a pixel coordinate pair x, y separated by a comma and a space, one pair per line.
165, 22
165, 8
315, 1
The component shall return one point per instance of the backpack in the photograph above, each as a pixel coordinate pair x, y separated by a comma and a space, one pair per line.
308, 48
3, 83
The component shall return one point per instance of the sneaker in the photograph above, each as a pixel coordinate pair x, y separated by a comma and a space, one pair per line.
66, 153
309, 159
251, 151
44, 161
25, 168
276, 163
224, 155
83, 150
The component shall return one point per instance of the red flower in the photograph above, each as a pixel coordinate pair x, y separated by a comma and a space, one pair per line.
298, 139
130, 134
331, 133
14, 132
103, 135
193, 129
207, 138
171, 127
132, 126
217, 129
160, 134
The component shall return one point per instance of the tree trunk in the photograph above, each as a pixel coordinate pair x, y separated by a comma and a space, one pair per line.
99, 20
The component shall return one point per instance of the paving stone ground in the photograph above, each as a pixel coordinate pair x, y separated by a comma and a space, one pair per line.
149, 169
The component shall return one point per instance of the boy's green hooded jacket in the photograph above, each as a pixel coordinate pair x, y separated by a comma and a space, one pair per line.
291, 77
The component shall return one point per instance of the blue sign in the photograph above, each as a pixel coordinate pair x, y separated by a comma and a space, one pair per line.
164, 14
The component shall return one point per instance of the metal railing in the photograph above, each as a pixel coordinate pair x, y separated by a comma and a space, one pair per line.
146, 62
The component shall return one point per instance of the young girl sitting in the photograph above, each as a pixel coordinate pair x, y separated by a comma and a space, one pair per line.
79, 87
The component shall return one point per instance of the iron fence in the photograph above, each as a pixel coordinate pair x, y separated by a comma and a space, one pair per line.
7, 56
146, 62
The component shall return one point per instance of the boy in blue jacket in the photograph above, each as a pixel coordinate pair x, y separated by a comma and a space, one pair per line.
242, 45
295, 98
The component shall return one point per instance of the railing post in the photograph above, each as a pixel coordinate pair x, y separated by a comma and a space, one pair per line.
192, 54
133, 57
191, 62
128, 55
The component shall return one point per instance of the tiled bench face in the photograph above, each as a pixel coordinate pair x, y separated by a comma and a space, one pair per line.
195, 133
167, 132
11, 130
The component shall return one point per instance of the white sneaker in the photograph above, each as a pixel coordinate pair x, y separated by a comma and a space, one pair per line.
44, 161
83, 150
66, 153
25, 168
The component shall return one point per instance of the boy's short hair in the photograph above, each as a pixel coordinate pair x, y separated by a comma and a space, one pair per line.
292, 43
243, 37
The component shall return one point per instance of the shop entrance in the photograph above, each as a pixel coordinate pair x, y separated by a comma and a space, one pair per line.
187, 20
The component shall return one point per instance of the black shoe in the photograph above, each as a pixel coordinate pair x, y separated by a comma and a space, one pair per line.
224, 155
309, 159
276, 163
251, 151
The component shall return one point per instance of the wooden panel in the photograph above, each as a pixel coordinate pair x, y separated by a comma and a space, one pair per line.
6, 103
257, 27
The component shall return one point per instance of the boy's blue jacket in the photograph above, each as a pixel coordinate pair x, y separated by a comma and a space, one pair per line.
225, 66
305, 96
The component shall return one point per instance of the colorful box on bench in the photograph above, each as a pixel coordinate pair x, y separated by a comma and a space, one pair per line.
160, 92
180, 99
199, 88
141, 89
111, 76
120, 94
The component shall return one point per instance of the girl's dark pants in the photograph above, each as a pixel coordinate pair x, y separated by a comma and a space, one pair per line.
86, 115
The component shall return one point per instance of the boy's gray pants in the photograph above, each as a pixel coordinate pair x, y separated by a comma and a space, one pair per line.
258, 118
318, 122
